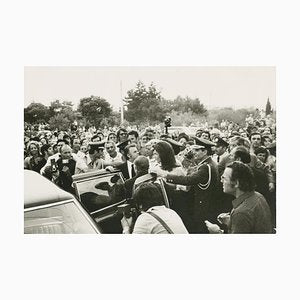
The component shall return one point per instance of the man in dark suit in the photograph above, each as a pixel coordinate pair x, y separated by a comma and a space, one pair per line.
131, 153
141, 166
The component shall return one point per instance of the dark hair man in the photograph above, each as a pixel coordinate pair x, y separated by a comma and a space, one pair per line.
141, 167
131, 153
255, 139
67, 139
251, 212
220, 149
95, 138
133, 137
150, 201
76, 145
241, 153
47, 151
94, 160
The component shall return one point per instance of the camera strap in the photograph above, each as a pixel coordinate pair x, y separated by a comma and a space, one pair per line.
161, 221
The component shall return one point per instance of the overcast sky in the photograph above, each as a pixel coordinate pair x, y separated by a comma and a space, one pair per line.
215, 86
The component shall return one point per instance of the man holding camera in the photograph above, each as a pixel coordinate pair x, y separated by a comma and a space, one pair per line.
66, 168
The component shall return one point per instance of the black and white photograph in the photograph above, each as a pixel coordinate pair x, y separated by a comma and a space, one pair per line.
201, 142
139, 149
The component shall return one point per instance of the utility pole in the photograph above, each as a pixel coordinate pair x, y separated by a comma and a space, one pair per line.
122, 104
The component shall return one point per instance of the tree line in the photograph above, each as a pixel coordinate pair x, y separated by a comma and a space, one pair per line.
143, 105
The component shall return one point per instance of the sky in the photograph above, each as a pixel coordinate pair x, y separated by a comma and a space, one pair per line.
237, 87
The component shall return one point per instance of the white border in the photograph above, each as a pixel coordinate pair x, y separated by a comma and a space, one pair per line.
162, 33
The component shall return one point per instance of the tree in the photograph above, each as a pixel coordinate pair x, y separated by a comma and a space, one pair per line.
188, 104
95, 110
268, 107
146, 104
65, 108
36, 113
60, 122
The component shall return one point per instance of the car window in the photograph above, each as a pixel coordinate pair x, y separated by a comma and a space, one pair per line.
62, 218
100, 192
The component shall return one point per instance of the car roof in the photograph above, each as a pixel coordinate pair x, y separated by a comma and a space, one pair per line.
39, 190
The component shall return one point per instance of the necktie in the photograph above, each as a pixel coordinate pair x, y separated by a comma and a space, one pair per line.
218, 158
132, 171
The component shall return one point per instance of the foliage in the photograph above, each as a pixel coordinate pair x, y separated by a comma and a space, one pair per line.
186, 118
59, 122
65, 108
228, 113
187, 104
268, 108
36, 113
96, 110
145, 105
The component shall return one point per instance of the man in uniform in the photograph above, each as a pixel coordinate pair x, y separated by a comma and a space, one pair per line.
204, 182
221, 149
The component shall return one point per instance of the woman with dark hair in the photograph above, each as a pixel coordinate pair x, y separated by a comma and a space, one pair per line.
122, 135
34, 161
155, 218
165, 157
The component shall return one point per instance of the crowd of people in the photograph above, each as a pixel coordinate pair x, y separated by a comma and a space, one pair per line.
220, 180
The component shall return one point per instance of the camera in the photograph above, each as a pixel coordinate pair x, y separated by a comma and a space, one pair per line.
53, 165
125, 209
168, 122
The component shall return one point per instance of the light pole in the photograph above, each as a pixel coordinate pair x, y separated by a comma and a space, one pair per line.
125, 102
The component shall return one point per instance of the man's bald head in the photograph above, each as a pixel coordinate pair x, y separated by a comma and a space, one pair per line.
66, 152
141, 164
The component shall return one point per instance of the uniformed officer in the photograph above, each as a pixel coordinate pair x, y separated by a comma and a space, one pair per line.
204, 182
220, 149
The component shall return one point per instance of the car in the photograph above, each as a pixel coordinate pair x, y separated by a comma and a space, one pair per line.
100, 192
49, 209
178, 129
97, 206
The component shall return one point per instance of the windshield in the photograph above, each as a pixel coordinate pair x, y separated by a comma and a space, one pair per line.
61, 218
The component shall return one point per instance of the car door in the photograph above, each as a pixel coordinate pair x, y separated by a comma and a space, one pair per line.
98, 193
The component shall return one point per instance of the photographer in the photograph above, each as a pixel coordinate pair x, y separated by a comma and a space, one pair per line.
155, 217
66, 168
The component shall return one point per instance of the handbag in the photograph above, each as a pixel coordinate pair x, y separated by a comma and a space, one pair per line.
162, 222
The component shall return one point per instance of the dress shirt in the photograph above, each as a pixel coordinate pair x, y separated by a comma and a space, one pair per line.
129, 167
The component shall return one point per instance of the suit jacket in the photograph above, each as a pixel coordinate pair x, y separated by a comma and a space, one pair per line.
124, 190
124, 169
